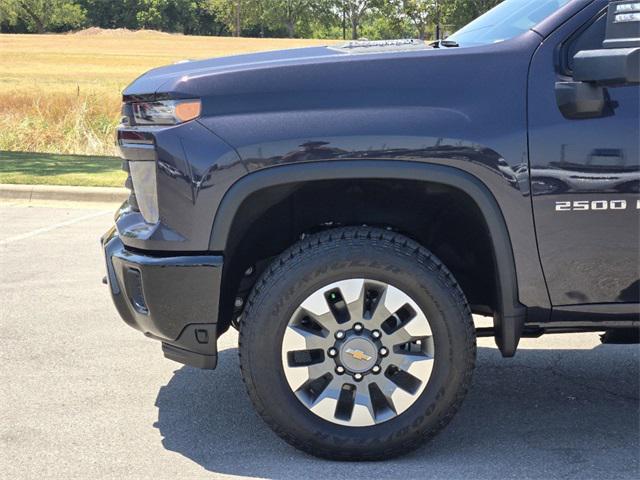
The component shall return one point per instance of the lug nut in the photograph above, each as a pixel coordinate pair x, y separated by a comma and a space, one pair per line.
358, 327
339, 369
376, 334
339, 334
376, 369
332, 352
384, 352
357, 376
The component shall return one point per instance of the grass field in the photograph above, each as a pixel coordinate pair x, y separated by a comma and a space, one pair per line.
52, 169
61, 93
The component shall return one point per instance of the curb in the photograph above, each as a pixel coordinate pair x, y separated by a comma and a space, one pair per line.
71, 194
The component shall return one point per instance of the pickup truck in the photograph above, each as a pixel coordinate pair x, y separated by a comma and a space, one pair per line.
348, 208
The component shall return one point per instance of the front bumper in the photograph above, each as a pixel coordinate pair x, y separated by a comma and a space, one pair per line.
171, 299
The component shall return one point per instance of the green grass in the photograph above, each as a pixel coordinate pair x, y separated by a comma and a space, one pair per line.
70, 170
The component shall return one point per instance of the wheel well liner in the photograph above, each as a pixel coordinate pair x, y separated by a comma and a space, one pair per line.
510, 314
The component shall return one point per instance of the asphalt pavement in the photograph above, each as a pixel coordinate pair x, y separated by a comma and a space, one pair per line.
84, 396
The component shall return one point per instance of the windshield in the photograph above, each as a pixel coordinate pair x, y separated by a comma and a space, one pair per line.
507, 20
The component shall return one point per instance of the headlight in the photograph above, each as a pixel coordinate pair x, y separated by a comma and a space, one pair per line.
166, 112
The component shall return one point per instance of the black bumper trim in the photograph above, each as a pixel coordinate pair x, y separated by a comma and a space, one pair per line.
171, 299
198, 360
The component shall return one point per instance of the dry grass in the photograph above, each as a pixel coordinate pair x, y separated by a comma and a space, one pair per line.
58, 122
61, 93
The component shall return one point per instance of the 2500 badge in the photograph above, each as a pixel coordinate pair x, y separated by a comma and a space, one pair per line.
594, 205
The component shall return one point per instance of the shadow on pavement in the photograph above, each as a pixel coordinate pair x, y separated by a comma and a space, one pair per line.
543, 414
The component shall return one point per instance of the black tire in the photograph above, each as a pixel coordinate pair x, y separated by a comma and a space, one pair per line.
335, 255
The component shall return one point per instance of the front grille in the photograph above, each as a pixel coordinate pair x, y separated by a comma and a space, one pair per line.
133, 202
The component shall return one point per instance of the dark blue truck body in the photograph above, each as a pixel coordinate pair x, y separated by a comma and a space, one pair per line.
481, 120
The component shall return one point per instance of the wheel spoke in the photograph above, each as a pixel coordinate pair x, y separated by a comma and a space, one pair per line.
298, 375
297, 338
415, 328
344, 405
316, 304
399, 398
381, 312
325, 404
353, 294
317, 308
382, 405
363, 411
390, 302
418, 365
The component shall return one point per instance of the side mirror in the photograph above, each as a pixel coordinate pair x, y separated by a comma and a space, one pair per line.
608, 66
618, 61
579, 100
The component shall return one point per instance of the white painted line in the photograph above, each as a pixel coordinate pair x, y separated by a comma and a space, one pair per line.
39, 231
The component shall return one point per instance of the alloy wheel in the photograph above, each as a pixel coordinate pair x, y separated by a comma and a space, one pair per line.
358, 352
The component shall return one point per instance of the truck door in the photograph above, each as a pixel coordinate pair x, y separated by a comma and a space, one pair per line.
584, 140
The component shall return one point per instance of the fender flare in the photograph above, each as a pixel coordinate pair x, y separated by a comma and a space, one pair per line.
510, 315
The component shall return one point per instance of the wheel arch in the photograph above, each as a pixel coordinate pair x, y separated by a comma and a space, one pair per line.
510, 314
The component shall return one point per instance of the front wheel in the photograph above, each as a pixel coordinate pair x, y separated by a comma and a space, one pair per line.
357, 344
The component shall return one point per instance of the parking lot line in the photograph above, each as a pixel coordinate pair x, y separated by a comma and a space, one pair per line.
55, 226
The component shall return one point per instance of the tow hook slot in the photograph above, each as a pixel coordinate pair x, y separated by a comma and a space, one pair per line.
133, 282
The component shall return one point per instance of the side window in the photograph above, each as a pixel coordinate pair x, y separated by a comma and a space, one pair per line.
588, 38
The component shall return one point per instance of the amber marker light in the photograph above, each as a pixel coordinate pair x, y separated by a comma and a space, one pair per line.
187, 110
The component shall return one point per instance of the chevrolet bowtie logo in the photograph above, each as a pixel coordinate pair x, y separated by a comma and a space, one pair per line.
358, 354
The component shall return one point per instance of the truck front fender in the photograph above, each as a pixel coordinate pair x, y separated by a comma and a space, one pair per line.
510, 314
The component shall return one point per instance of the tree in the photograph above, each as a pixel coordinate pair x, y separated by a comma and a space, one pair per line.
271, 18
422, 14
111, 13
354, 12
190, 17
151, 14
237, 14
45, 15
388, 20
8, 13
200, 18
287, 12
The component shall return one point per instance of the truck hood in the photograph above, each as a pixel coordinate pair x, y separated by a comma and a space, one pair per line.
162, 81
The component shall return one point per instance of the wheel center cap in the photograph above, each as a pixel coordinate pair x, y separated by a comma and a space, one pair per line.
358, 354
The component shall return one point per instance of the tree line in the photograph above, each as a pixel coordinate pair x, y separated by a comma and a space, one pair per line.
352, 19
